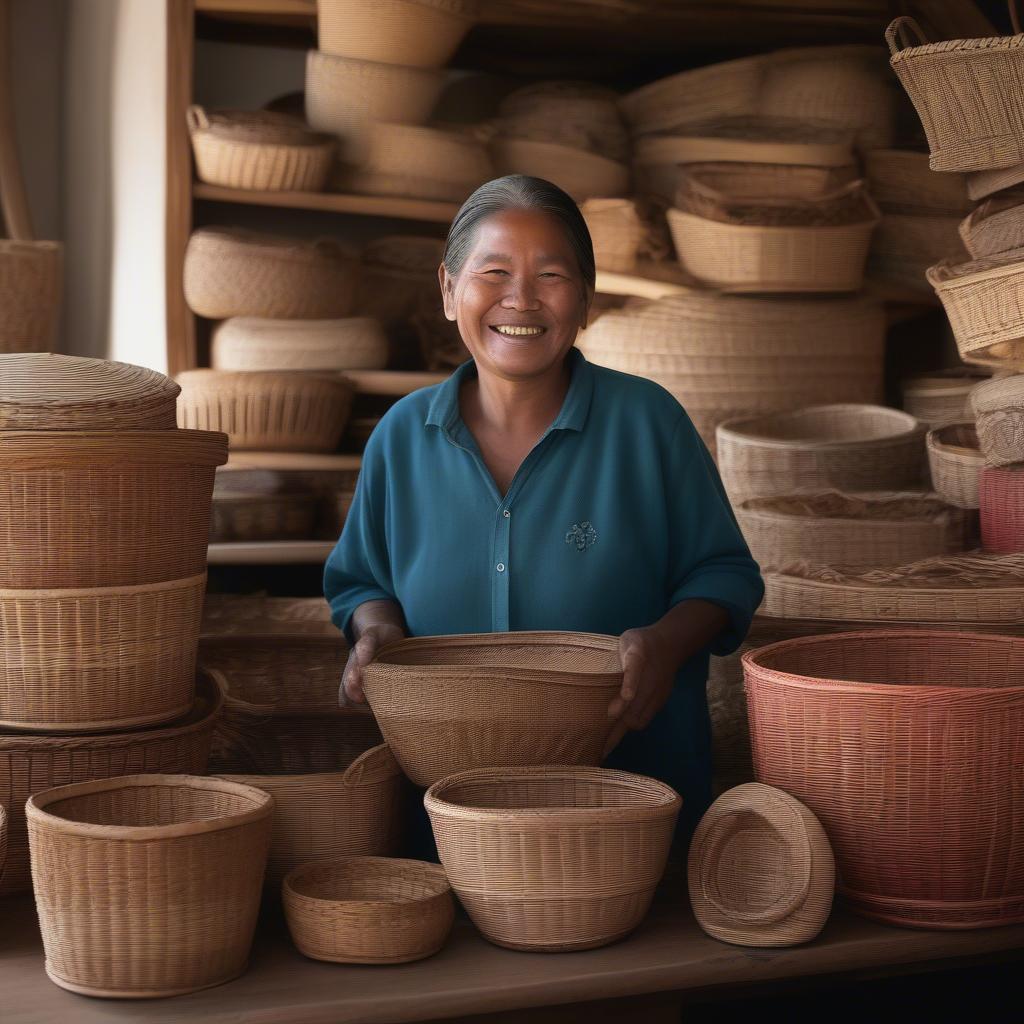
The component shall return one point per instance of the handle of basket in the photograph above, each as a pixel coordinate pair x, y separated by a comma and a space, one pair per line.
373, 765
903, 32
196, 118
219, 679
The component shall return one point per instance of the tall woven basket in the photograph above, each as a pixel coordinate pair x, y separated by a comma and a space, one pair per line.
30, 284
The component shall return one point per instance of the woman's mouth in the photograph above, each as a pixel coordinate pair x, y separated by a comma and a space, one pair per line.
517, 330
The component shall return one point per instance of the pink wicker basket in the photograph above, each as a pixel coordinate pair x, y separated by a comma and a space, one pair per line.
1001, 494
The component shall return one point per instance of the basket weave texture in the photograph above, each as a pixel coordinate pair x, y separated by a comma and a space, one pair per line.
942, 396
30, 286
440, 710
1001, 497
955, 461
3, 842
885, 727
147, 885
994, 227
981, 184
905, 245
901, 181
257, 615
553, 859
616, 232
582, 174
257, 517
999, 412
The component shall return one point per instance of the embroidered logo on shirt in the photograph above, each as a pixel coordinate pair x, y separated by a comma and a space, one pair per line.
581, 536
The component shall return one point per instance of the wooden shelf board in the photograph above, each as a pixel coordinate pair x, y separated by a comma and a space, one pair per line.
270, 552
653, 281
306, 8
392, 382
298, 461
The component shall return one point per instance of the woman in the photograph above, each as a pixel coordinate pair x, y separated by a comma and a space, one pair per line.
533, 490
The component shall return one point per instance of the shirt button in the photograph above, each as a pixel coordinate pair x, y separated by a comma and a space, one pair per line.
506, 513
500, 567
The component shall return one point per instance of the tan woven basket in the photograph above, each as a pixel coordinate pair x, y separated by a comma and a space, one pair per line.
999, 412
553, 859
760, 869
843, 447
994, 227
259, 149
257, 615
583, 175
267, 411
30, 763
368, 910
905, 245
450, 703
942, 396
955, 461
901, 181
3, 842
616, 232
400, 278
111, 858
256, 517
981, 184
235, 272
30, 287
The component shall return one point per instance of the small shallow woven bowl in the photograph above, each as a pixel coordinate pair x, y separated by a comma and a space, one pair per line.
999, 415
942, 396
368, 910
553, 859
1001, 499
446, 704
760, 869
583, 175
955, 461
30, 287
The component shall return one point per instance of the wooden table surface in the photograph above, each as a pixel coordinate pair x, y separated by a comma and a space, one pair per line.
668, 953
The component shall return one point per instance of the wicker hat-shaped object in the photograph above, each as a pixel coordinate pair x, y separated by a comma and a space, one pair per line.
955, 461
30, 287
999, 413
996, 226
582, 174
760, 869
42, 391
450, 703
942, 396
901, 181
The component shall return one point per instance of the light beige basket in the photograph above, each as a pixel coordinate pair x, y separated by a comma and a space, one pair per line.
30, 287
418, 33
843, 447
148, 885
901, 181
368, 910
994, 227
259, 517
583, 175
956, 462
235, 272
259, 149
258, 615
905, 245
999, 412
553, 859
616, 232
267, 411
942, 396
760, 869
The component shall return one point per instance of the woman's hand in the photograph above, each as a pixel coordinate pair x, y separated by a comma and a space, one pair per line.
648, 673
375, 623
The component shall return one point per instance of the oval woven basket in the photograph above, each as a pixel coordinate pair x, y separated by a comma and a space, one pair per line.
259, 149
259, 616
901, 181
236, 272
955, 461
368, 910
942, 396
848, 448
553, 859
111, 857
994, 227
999, 415
30, 763
582, 174
905, 245
449, 703
760, 869
616, 232
30, 289
1001, 498
858, 531
259, 517
885, 727
267, 411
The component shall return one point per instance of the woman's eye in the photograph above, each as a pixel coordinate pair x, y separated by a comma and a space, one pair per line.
550, 273
496, 270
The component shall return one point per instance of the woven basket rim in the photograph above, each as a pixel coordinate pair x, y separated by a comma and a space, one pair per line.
217, 380
940, 383
871, 218
582, 158
998, 393
392, 867
33, 448
949, 274
935, 441
343, 776
282, 247
734, 428
936, 511
183, 583
219, 128
372, 68
952, 46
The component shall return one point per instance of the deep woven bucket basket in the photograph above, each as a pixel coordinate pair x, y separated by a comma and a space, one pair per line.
999, 414
30, 287
920, 734
553, 859
582, 174
30, 763
955, 460
148, 885
901, 181
942, 396
760, 869
1001, 498
450, 703
994, 227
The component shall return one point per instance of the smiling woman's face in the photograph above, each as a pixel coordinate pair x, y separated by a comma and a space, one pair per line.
520, 298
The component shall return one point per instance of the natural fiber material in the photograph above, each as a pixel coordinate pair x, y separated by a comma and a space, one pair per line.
147, 885
258, 615
1001, 497
31, 763
450, 703
968, 93
844, 447
235, 272
905, 245
616, 231
368, 910
582, 174
400, 278
999, 413
30, 286
901, 181
3, 841
760, 869
256, 517
55, 392
267, 411
994, 227
955, 461
942, 396
259, 149
553, 859
419, 33
884, 727
981, 184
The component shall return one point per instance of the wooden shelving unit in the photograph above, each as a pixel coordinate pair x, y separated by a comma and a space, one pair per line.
271, 552
292, 461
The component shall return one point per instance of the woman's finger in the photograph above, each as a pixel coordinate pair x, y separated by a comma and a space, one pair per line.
631, 674
351, 681
614, 737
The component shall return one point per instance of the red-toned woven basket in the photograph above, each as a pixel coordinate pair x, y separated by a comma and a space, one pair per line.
909, 747
1001, 494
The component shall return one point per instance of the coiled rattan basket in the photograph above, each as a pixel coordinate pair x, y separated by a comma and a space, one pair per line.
1001, 499
584, 175
942, 396
955, 460
30, 286
999, 415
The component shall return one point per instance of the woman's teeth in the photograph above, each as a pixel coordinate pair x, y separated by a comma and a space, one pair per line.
518, 331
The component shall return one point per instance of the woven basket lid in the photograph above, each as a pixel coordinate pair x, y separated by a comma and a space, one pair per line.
265, 127
42, 391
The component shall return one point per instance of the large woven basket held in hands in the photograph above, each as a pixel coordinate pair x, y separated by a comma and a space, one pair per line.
451, 703
1001, 498
955, 460
259, 149
760, 869
942, 396
148, 885
843, 447
267, 411
235, 272
582, 174
901, 181
30, 284
29, 763
876, 733
994, 227
616, 232
999, 414
553, 859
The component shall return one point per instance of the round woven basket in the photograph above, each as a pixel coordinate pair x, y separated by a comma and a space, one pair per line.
616, 232
883, 727
905, 245
971, 124
942, 396
955, 460
418, 33
112, 857
258, 517
30, 287
999, 414
259, 149
235, 272
760, 869
1001, 498
553, 859
582, 174
994, 227
449, 703
368, 910
848, 448
29, 763
901, 181
266, 411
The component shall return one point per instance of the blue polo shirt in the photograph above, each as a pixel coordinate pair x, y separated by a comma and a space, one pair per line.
616, 515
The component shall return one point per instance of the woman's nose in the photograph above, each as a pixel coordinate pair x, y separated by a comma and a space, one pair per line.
521, 293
